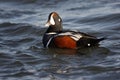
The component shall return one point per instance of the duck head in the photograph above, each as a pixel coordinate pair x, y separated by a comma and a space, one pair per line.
54, 22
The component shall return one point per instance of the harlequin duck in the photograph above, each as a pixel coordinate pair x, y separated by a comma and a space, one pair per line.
56, 37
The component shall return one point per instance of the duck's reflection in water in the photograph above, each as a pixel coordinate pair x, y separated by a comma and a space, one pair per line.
80, 51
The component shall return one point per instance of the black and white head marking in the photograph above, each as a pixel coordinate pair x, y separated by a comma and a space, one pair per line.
52, 21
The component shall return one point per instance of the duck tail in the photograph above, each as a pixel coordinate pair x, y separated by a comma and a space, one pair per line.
100, 39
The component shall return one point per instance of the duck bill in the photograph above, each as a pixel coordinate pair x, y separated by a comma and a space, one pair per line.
47, 24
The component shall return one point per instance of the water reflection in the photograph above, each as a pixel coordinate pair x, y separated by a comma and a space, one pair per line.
80, 51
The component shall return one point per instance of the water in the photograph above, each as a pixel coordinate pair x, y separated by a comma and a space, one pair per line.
22, 56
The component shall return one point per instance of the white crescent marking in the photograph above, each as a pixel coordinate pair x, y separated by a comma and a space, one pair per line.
49, 42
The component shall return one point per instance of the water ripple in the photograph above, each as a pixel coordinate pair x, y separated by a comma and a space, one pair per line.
22, 55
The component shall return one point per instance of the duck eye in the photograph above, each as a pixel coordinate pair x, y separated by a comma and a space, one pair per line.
59, 20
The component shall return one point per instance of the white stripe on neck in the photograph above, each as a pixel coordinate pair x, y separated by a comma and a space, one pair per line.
51, 33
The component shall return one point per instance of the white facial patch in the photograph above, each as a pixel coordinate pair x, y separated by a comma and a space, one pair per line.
52, 20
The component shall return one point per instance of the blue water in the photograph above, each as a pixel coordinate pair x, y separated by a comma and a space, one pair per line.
23, 57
